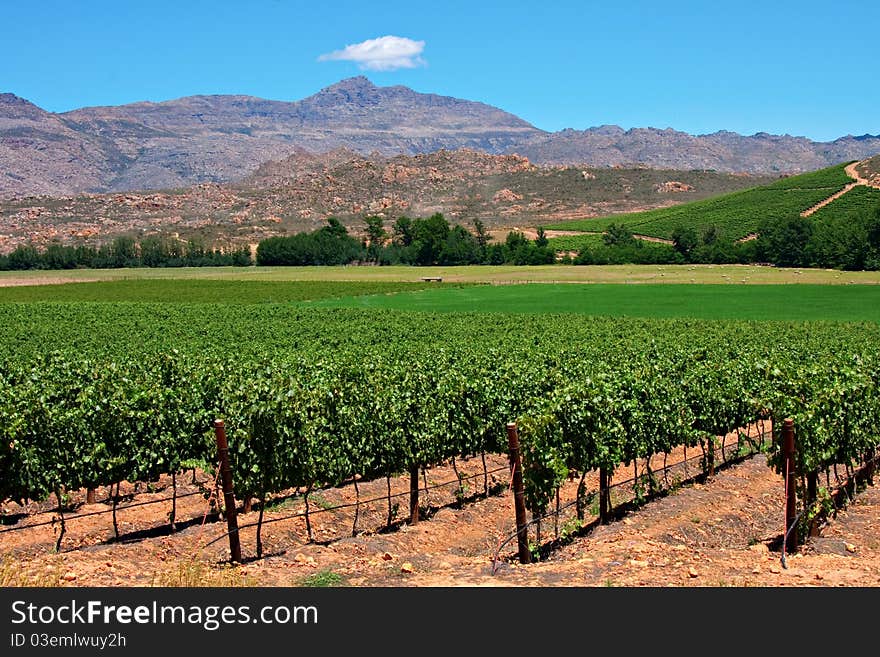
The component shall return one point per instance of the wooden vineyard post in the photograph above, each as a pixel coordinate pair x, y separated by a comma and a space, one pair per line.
790, 494
711, 456
519, 496
90, 496
604, 496
414, 495
810, 498
870, 467
228, 494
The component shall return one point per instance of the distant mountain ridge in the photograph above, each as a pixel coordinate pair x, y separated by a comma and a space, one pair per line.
611, 145
199, 139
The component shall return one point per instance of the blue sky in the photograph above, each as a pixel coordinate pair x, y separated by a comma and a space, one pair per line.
801, 68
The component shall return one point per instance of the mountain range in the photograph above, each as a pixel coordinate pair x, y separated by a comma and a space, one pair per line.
223, 138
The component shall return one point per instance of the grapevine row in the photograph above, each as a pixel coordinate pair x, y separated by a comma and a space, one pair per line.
312, 398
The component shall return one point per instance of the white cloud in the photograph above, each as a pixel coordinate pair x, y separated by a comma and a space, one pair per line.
387, 53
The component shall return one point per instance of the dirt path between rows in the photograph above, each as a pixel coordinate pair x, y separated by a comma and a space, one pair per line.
533, 234
821, 204
718, 532
852, 171
715, 534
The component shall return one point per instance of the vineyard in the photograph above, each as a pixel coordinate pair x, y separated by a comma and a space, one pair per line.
92, 395
737, 215
858, 201
590, 240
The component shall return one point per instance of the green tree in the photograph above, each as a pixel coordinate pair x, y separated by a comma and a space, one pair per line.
481, 233
124, 252
516, 248
24, 256
330, 245
429, 238
196, 253
482, 239
242, 257
618, 235
495, 254
58, 256
784, 241
461, 248
85, 255
376, 235
711, 235
154, 251
402, 231
685, 240
541, 240
334, 227
849, 241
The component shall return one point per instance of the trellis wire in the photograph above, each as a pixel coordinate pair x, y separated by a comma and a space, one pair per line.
98, 513
347, 505
535, 520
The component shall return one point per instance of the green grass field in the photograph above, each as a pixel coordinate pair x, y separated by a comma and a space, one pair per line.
737, 214
650, 298
748, 302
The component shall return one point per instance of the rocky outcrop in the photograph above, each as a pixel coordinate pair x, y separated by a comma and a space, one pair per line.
301, 191
673, 187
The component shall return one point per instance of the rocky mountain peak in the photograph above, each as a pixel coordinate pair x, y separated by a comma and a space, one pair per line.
356, 90
15, 107
356, 83
606, 130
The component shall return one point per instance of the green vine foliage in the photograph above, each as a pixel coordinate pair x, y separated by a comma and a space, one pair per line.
312, 397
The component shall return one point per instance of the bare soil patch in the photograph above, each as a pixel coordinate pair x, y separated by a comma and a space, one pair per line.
43, 280
865, 172
714, 531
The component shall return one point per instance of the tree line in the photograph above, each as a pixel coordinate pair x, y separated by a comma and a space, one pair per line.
849, 242
124, 251
411, 241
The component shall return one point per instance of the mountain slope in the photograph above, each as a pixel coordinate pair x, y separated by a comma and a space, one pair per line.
302, 190
41, 154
